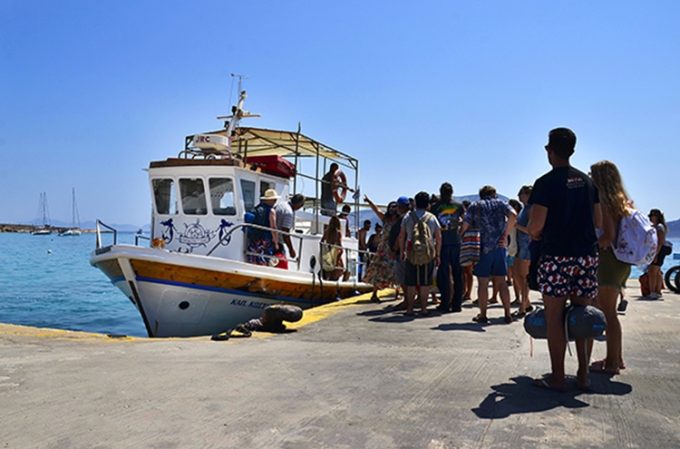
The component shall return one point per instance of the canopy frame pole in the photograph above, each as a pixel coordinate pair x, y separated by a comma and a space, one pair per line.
317, 202
358, 197
297, 143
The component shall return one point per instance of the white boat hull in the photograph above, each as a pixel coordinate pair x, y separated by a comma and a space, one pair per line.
183, 295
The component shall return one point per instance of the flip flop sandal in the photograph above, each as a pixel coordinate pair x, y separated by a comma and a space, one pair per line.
543, 383
480, 319
601, 368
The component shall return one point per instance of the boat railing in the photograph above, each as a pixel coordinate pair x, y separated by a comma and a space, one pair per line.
300, 238
139, 237
109, 230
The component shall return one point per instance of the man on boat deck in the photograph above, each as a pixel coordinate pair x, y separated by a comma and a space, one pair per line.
285, 219
344, 217
361, 237
263, 242
331, 183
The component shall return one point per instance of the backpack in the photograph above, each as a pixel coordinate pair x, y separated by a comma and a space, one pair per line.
637, 241
261, 217
421, 250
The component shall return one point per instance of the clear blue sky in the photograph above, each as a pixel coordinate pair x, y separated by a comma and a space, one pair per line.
420, 92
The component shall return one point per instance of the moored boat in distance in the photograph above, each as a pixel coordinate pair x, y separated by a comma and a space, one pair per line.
74, 230
194, 277
45, 229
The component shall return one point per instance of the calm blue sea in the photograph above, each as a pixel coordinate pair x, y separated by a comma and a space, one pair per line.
47, 281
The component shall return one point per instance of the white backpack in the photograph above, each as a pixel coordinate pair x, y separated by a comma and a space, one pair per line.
637, 240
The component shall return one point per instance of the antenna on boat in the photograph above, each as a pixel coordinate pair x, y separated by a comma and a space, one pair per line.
237, 112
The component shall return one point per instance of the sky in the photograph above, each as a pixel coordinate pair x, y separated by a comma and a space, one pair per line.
420, 92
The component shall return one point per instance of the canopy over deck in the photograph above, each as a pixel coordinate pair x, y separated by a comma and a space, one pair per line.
248, 141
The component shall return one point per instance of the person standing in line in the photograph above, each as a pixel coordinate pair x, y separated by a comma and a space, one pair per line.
565, 211
399, 270
494, 218
467, 267
333, 190
655, 278
419, 275
450, 215
361, 238
374, 239
512, 254
285, 219
612, 273
523, 258
380, 272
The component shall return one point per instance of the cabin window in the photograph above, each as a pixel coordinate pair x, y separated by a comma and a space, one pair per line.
266, 185
222, 196
248, 193
193, 196
165, 196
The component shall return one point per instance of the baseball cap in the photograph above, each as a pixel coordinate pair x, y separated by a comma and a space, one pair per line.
403, 201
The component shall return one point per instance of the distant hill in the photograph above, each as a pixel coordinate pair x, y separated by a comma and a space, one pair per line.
367, 214
90, 224
673, 229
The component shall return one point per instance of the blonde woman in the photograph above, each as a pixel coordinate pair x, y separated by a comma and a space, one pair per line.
612, 273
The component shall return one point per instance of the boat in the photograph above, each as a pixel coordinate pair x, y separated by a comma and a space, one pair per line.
45, 229
74, 230
194, 277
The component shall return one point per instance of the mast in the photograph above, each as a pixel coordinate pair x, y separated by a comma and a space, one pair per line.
43, 209
237, 113
75, 219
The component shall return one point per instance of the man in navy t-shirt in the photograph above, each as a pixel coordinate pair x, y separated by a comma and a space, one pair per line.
565, 210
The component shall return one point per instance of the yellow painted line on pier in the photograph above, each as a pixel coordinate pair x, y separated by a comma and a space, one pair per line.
9, 331
322, 312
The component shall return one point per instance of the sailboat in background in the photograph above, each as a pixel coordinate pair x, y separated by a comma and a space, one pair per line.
42, 208
74, 230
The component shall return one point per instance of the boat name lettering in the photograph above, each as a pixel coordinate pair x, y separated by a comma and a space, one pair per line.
246, 303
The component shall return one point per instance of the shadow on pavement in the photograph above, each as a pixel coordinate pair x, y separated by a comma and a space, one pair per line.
378, 312
521, 396
473, 327
398, 318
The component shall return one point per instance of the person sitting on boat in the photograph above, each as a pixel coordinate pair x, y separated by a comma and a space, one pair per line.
285, 219
263, 242
333, 190
331, 251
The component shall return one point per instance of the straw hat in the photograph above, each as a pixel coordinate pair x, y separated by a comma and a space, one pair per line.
270, 194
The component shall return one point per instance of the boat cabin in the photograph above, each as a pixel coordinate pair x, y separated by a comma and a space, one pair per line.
200, 200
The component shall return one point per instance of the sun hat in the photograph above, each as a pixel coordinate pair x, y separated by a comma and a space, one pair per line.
270, 194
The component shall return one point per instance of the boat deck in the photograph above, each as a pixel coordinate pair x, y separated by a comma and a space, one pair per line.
351, 376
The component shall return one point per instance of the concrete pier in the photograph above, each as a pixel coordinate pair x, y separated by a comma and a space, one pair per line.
352, 376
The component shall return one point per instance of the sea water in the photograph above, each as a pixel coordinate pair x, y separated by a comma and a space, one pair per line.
47, 281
